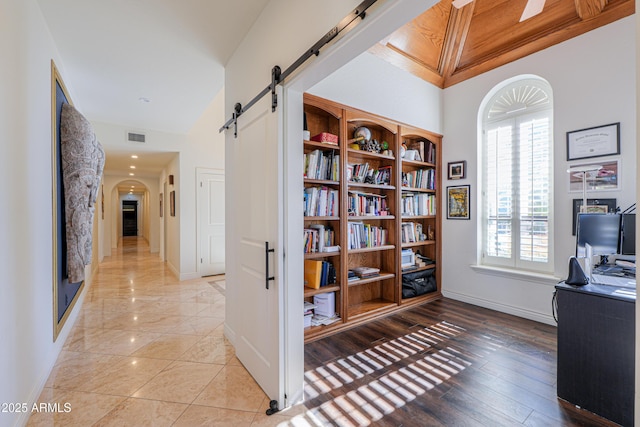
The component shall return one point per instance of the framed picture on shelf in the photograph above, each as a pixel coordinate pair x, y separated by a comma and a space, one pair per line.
457, 170
593, 142
593, 206
604, 179
458, 202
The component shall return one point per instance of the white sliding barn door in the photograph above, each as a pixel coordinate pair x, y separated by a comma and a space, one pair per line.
257, 209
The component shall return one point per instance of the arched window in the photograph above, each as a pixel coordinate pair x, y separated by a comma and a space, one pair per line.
517, 175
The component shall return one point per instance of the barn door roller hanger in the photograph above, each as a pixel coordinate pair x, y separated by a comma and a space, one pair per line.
278, 76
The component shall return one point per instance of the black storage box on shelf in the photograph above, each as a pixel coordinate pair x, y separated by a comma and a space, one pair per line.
418, 283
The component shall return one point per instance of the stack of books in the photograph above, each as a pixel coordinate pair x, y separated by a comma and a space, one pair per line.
366, 272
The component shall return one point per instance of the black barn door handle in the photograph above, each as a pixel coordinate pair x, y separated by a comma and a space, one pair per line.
266, 263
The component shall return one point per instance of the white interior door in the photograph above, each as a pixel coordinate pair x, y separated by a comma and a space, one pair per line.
257, 210
211, 222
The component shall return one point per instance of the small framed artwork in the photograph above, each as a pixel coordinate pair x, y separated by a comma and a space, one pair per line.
457, 170
603, 177
593, 206
458, 202
172, 203
161, 205
593, 142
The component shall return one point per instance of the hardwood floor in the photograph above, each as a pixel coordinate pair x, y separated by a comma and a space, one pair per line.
445, 363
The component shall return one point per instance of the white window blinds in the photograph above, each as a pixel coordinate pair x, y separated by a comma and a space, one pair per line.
517, 179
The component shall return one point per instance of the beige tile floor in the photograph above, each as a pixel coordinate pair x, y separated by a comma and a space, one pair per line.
149, 350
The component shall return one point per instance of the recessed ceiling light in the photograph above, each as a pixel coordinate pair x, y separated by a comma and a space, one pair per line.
133, 186
132, 167
134, 156
131, 174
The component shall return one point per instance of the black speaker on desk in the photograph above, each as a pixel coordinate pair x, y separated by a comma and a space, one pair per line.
576, 275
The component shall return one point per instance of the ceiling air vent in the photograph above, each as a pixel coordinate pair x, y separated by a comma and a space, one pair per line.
136, 137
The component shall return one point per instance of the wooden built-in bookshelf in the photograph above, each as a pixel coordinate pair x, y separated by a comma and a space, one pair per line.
367, 298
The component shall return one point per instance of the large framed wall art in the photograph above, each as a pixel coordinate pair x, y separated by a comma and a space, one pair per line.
65, 294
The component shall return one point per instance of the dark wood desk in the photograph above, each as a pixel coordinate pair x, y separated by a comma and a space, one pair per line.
596, 350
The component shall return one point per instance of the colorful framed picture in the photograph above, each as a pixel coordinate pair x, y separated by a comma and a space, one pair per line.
458, 202
605, 178
457, 170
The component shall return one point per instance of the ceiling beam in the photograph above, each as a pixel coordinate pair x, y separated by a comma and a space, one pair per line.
588, 9
455, 37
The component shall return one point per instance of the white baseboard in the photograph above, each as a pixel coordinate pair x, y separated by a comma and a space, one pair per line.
189, 276
503, 308
230, 334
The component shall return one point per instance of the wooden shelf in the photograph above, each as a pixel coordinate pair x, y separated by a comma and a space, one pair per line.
309, 292
317, 255
370, 307
415, 270
370, 217
410, 217
321, 218
382, 276
320, 182
376, 248
321, 145
368, 154
352, 184
417, 190
423, 243
418, 164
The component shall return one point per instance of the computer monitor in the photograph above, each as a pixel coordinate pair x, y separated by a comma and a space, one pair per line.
601, 231
628, 234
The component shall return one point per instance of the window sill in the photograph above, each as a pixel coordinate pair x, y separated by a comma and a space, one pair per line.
529, 276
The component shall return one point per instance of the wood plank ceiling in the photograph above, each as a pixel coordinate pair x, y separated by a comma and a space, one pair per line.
446, 45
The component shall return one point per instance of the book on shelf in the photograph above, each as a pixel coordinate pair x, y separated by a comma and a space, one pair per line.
418, 204
321, 201
318, 274
364, 173
422, 178
367, 204
363, 235
322, 165
412, 232
315, 236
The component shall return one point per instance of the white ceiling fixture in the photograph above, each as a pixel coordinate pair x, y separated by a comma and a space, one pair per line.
533, 7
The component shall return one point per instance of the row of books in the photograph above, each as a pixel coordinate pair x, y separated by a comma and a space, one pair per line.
366, 204
318, 238
412, 232
418, 204
422, 178
426, 150
364, 173
321, 201
320, 164
318, 274
363, 235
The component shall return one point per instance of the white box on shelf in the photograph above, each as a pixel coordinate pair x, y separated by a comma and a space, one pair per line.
325, 304
307, 320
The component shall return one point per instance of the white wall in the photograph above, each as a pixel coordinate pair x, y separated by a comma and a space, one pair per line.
27, 352
593, 81
372, 84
